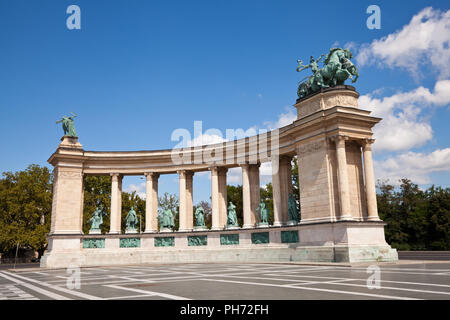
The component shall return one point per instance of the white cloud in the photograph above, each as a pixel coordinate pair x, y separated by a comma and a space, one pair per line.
284, 119
206, 139
414, 166
404, 123
424, 40
140, 189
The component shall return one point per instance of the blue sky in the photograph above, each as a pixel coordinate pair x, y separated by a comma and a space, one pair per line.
137, 70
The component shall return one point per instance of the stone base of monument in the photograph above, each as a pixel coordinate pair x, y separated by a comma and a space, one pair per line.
292, 223
232, 228
127, 231
321, 242
95, 231
165, 230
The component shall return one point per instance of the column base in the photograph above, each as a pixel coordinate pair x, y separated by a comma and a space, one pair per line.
346, 218
278, 224
262, 225
202, 228
232, 228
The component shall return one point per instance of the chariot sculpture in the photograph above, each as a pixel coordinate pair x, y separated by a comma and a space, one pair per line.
337, 68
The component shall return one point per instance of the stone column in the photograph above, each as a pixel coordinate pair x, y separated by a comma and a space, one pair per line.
215, 199
223, 211
254, 191
219, 197
116, 204
246, 198
151, 202
276, 189
286, 186
344, 190
186, 218
372, 210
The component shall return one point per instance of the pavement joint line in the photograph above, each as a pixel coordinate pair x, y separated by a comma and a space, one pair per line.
363, 270
394, 288
160, 294
389, 281
130, 297
71, 292
34, 288
315, 289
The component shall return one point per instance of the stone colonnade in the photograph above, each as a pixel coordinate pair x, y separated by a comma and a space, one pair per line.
281, 184
331, 139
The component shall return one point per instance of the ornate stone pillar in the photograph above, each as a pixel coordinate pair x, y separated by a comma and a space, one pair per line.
67, 203
246, 197
344, 189
151, 202
186, 218
254, 191
276, 189
223, 211
215, 199
218, 197
251, 194
371, 196
116, 203
286, 186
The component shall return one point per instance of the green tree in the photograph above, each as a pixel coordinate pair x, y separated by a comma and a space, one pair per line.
438, 216
25, 209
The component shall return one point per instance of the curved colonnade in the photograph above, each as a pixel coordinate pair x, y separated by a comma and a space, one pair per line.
331, 138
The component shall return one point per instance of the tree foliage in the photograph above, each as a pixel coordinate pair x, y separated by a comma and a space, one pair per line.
25, 209
416, 219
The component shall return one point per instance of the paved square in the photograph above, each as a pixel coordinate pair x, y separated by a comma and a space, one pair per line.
231, 281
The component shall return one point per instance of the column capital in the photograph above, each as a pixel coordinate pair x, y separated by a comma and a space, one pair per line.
185, 173
367, 143
152, 175
244, 165
116, 175
216, 170
339, 139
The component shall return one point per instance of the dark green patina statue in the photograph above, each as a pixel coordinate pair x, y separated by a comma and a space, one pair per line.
96, 220
166, 219
292, 210
232, 221
131, 221
263, 213
68, 125
337, 68
199, 217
